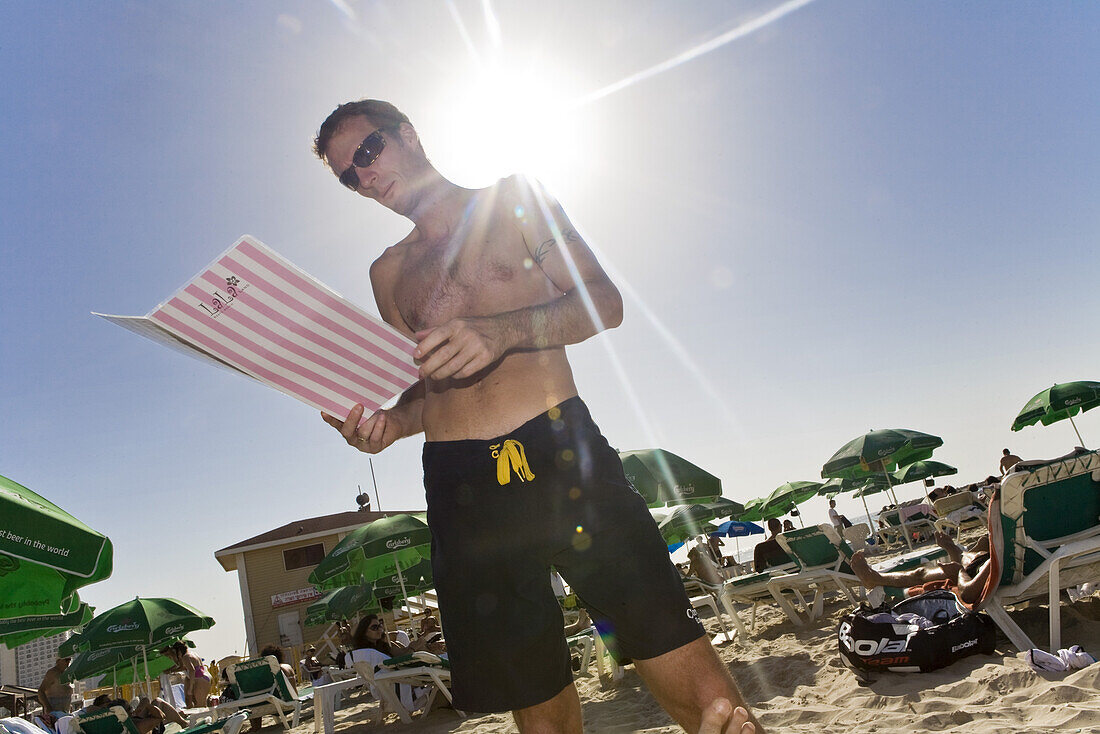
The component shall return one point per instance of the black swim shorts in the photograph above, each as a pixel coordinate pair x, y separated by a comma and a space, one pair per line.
502, 512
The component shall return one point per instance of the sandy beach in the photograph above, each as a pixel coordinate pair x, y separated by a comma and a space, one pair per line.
795, 680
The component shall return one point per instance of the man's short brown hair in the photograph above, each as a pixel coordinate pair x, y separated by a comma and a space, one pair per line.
382, 114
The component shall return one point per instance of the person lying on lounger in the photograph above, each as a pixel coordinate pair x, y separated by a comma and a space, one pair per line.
965, 572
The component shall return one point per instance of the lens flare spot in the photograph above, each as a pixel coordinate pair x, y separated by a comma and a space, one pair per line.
519, 212
528, 263
582, 541
554, 413
567, 456
574, 493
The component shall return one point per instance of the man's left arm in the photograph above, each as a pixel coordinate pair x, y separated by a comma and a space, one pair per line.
588, 304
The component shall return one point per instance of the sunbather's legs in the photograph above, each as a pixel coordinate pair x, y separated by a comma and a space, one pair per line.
560, 715
970, 590
954, 552
170, 712
870, 578
697, 690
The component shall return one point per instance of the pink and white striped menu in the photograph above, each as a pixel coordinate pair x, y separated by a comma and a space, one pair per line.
257, 313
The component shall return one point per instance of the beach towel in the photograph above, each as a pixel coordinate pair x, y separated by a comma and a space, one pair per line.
1071, 658
920, 634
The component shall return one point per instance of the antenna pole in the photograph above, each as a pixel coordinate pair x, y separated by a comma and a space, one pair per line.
377, 502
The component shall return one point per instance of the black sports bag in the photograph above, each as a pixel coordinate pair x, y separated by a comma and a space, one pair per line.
868, 645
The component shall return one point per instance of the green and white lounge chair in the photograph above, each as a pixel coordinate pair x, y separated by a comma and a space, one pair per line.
418, 669
115, 720
263, 688
752, 589
823, 557
1044, 530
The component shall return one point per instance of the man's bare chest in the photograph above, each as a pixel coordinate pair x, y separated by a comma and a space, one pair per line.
475, 276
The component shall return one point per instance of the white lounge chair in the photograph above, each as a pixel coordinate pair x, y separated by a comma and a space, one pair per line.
1044, 531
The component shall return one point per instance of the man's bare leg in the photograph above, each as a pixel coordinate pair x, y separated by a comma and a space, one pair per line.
560, 715
954, 552
870, 578
697, 690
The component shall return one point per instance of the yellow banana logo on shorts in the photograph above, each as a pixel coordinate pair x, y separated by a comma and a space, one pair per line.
511, 456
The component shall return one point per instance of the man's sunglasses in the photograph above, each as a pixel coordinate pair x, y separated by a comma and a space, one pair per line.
366, 154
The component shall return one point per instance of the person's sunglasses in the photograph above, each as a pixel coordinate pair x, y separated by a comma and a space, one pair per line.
366, 154
374, 627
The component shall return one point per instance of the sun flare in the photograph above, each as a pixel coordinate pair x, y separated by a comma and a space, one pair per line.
501, 120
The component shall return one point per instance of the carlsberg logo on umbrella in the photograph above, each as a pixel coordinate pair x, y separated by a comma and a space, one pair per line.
174, 629
398, 543
126, 627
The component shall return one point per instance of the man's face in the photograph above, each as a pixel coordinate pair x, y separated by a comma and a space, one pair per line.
63, 663
391, 178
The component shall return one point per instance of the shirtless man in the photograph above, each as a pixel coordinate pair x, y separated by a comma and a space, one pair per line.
492, 284
965, 572
1008, 460
56, 697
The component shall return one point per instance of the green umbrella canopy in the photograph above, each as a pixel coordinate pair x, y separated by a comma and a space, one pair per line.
417, 578
1058, 403
919, 470
880, 451
661, 476
785, 497
133, 670
753, 510
684, 522
18, 631
45, 553
372, 551
140, 622
91, 663
342, 603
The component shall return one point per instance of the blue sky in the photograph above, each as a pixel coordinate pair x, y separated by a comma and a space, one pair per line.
863, 215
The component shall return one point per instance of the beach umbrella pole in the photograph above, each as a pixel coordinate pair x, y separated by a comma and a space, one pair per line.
870, 519
148, 683
404, 594
901, 514
1082, 441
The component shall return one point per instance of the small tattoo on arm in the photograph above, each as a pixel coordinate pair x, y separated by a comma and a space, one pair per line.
541, 252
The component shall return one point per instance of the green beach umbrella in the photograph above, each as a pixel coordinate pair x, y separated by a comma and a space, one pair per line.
417, 578
46, 554
140, 622
343, 603
387, 546
684, 522
919, 470
753, 510
662, 477
786, 497
383, 547
119, 665
16, 631
133, 670
1059, 402
881, 452
722, 506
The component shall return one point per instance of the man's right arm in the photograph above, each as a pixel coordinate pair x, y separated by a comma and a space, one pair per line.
405, 418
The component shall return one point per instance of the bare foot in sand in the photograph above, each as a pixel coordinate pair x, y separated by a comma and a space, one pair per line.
722, 718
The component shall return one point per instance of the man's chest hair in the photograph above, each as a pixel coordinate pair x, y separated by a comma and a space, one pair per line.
472, 277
